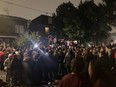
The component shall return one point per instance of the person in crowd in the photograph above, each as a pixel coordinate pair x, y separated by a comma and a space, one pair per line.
36, 65
61, 57
16, 69
52, 63
37, 69
7, 66
101, 77
75, 79
2, 58
68, 58
113, 59
27, 70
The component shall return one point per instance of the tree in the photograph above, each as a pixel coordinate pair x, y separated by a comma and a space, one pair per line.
67, 15
90, 21
93, 22
109, 9
27, 39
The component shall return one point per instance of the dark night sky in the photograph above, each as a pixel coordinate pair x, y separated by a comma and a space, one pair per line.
42, 5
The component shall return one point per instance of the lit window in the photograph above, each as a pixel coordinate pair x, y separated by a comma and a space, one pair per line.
47, 30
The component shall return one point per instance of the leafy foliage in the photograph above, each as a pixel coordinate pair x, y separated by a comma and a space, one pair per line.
67, 13
94, 21
89, 21
26, 39
109, 8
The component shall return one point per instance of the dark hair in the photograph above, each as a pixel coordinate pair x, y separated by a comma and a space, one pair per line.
77, 65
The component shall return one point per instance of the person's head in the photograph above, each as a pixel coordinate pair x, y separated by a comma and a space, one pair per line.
10, 56
111, 42
77, 65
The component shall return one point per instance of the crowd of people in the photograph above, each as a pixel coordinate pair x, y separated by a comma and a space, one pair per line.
79, 66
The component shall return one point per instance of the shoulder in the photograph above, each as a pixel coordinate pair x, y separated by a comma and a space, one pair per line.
67, 76
65, 81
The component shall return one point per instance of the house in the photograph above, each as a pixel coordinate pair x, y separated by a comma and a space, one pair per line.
42, 24
10, 28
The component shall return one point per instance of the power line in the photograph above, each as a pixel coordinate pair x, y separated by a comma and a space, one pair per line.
25, 7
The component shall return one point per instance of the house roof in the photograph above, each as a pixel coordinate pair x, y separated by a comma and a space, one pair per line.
13, 17
41, 20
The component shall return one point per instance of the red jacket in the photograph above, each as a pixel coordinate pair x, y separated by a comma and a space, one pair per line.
74, 80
